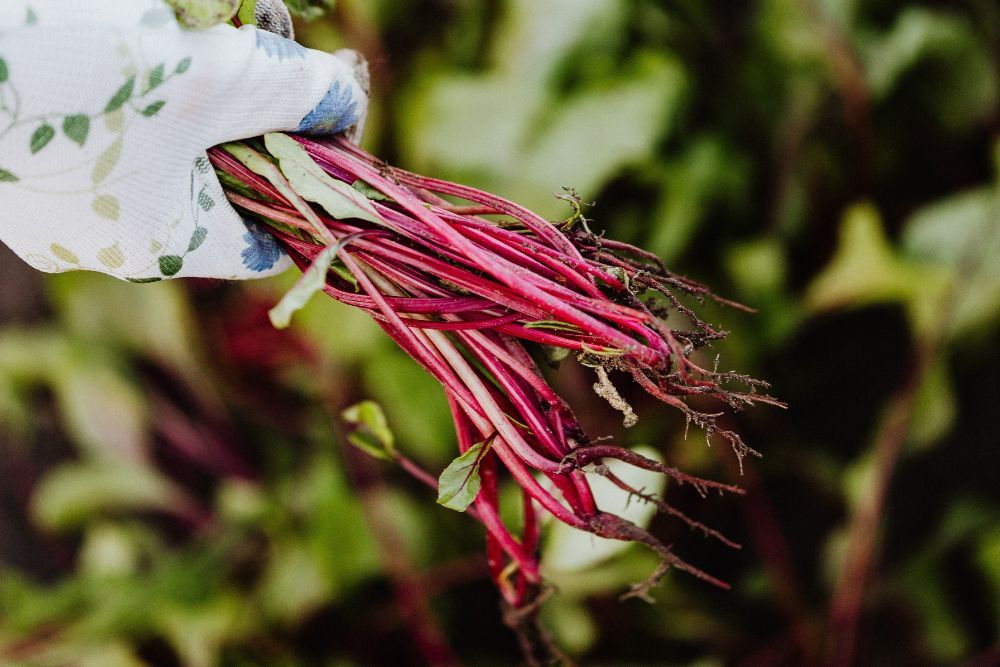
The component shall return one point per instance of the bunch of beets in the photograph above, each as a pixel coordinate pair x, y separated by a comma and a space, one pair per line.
478, 290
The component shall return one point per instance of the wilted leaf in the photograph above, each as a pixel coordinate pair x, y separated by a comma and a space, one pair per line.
313, 184
311, 282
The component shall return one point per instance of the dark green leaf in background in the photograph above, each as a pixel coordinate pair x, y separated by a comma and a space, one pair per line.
372, 433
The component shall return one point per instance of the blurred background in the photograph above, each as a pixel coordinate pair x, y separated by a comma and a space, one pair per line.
176, 488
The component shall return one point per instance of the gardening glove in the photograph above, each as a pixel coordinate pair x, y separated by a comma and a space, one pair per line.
107, 109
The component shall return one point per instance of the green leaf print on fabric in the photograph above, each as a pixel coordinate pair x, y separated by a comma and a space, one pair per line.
7, 177
111, 257
171, 264
205, 201
155, 77
153, 108
106, 206
41, 137
107, 161
197, 238
77, 128
63, 253
4, 72
122, 95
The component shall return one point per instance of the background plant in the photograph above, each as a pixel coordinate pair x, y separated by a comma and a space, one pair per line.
175, 490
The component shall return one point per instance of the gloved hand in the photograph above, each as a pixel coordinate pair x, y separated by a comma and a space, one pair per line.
106, 110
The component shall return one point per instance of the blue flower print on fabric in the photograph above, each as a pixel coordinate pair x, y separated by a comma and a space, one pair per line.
336, 112
278, 47
262, 251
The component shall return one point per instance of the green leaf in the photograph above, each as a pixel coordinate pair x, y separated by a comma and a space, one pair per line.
308, 9
866, 269
311, 281
960, 234
101, 409
369, 192
121, 96
197, 238
313, 184
183, 66
155, 77
7, 177
42, 136
372, 433
204, 13
77, 492
4, 72
171, 264
248, 12
459, 484
77, 127
106, 162
153, 108
261, 165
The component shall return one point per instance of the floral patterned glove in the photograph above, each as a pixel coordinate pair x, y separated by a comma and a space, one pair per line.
106, 110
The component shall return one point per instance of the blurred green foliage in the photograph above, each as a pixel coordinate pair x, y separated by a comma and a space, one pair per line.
176, 486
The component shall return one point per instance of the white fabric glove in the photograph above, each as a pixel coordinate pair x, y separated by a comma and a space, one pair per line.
106, 110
